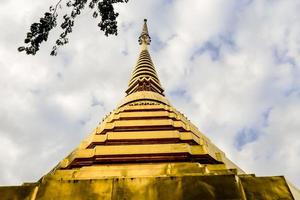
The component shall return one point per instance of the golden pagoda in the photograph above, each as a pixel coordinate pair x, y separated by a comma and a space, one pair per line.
146, 149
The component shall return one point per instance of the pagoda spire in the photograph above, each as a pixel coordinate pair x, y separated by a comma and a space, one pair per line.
145, 38
144, 76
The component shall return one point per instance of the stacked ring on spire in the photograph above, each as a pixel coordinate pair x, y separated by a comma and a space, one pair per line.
144, 76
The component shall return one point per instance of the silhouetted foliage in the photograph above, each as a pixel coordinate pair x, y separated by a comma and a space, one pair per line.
39, 31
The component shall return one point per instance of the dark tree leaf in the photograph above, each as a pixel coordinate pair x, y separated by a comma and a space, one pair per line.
21, 49
95, 14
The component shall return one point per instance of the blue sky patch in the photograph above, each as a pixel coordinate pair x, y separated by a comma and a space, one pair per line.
266, 115
157, 43
292, 91
227, 39
245, 136
209, 47
241, 4
168, 1
281, 57
96, 102
179, 93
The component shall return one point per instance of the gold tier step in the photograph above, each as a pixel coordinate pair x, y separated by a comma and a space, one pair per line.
141, 153
146, 137
140, 170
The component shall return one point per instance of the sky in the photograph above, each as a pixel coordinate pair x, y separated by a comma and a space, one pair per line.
232, 67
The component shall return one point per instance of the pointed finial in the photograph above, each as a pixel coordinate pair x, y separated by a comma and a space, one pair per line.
144, 37
144, 76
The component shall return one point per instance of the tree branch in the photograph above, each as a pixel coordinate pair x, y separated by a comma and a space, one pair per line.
56, 6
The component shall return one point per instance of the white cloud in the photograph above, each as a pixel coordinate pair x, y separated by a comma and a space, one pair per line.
235, 65
278, 149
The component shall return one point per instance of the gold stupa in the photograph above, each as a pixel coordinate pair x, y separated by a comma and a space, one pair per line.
146, 149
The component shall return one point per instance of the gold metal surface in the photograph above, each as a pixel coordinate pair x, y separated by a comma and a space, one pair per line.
191, 187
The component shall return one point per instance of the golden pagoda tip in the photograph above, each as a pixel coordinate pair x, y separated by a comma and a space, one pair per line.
145, 37
144, 77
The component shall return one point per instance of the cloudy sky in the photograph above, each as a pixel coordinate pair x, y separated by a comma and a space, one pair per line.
232, 67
